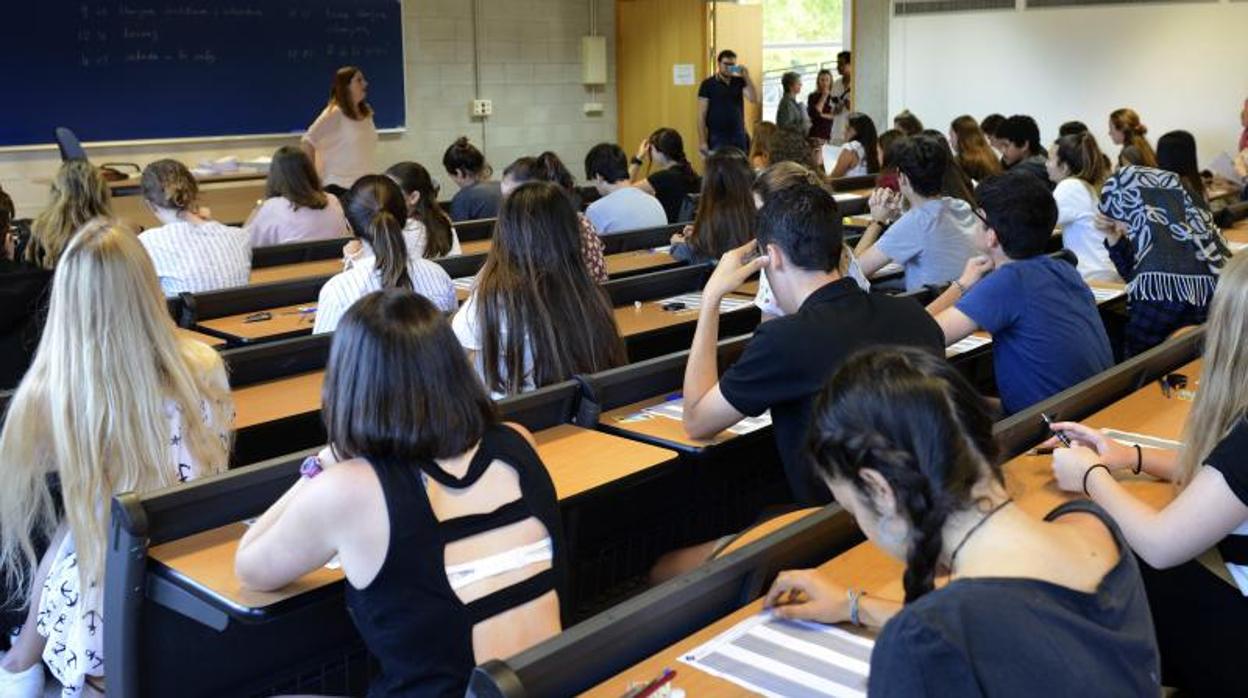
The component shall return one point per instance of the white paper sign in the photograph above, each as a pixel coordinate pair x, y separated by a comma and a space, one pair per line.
682, 74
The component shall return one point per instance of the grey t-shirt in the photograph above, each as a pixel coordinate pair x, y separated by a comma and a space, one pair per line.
626, 209
789, 115
480, 200
932, 241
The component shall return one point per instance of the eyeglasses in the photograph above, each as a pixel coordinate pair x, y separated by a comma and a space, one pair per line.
981, 215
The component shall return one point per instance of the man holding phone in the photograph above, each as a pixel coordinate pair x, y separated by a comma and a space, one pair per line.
721, 109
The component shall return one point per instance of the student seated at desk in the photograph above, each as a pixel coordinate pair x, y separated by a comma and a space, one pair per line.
1195, 550
1126, 130
1166, 247
445, 521
671, 179
79, 194
799, 238
428, 231
1176, 152
971, 148
191, 252
1079, 169
1033, 608
623, 207
859, 156
379, 258
1021, 149
535, 316
114, 402
478, 197
23, 300
1047, 333
725, 218
547, 167
933, 240
295, 208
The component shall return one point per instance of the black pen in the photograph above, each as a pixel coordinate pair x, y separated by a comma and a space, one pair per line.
1060, 436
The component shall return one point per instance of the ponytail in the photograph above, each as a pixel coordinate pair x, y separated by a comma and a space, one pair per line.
1083, 157
386, 233
376, 210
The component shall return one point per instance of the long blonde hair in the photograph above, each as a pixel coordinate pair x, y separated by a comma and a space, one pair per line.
79, 194
93, 406
1223, 396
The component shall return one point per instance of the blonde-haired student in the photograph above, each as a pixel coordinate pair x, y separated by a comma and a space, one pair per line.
115, 401
79, 193
192, 253
1196, 548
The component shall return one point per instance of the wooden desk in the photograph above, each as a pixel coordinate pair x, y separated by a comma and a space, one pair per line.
287, 321
1029, 480
637, 261
633, 320
277, 399
765, 529
130, 185
214, 342
579, 460
475, 246
298, 270
230, 204
629, 419
1237, 233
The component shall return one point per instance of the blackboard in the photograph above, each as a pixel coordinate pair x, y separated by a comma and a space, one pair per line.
143, 69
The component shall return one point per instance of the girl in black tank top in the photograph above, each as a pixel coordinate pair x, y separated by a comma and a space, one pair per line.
403, 409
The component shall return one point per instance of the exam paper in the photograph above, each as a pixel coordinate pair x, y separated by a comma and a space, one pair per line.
967, 344
675, 409
693, 301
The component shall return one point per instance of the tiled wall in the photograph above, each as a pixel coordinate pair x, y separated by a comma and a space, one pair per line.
530, 68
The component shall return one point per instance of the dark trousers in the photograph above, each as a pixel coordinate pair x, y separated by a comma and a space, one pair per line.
1199, 620
741, 140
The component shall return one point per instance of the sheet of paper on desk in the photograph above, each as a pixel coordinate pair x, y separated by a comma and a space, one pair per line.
675, 409
693, 301
887, 270
1237, 246
1104, 295
966, 344
1131, 439
464, 282
787, 658
664, 249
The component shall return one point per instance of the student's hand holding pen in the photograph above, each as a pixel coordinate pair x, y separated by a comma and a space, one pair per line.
808, 595
1113, 454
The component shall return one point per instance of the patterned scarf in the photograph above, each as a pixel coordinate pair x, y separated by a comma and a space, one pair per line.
1179, 250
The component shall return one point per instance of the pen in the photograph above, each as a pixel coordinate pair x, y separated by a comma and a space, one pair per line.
1060, 436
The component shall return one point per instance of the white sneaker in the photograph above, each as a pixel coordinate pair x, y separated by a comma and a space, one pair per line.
23, 684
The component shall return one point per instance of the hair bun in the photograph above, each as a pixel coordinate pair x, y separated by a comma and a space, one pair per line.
1142, 130
461, 142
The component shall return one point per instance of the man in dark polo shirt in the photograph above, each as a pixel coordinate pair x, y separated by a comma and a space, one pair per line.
721, 111
827, 318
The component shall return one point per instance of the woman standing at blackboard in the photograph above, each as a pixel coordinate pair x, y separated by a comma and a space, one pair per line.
343, 139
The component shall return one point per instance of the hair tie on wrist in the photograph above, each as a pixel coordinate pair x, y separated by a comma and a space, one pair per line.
1139, 460
1088, 472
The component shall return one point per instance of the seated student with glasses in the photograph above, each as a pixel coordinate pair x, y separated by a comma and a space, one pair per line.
1033, 607
933, 240
444, 520
1195, 549
1047, 333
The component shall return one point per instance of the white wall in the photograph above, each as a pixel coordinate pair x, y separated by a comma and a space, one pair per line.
1180, 66
530, 68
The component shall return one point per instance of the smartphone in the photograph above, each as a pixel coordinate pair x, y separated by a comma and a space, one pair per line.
259, 317
674, 305
734, 70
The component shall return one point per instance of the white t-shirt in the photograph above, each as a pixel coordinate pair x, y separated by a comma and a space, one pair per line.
1076, 214
416, 237
624, 209
192, 258
277, 222
346, 148
859, 169
468, 332
840, 121
363, 277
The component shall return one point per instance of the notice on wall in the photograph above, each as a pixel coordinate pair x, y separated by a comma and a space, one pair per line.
682, 74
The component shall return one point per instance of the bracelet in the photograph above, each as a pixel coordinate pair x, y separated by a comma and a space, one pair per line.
1139, 460
855, 595
1088, 472
311, 467
961, 288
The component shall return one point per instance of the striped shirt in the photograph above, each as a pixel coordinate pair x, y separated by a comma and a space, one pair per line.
191, 258
345, 288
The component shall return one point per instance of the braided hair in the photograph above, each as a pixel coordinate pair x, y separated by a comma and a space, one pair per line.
911, 417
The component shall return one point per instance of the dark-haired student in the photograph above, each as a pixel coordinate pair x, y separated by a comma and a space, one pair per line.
547, 167
1176, 152
1166, 247
958, 184
990, 125
478, 197
908, 123
379, 258
1047, 334
725, 217
799, 239
859, 156
428, 231
1079, 168
1195, 549
23, 298
342, 142
1071, 128
933, 240
1033, 607
444, 520
191, 252
671, 179
790, 146
535, 315
1021, 149
295, 208
623, 206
